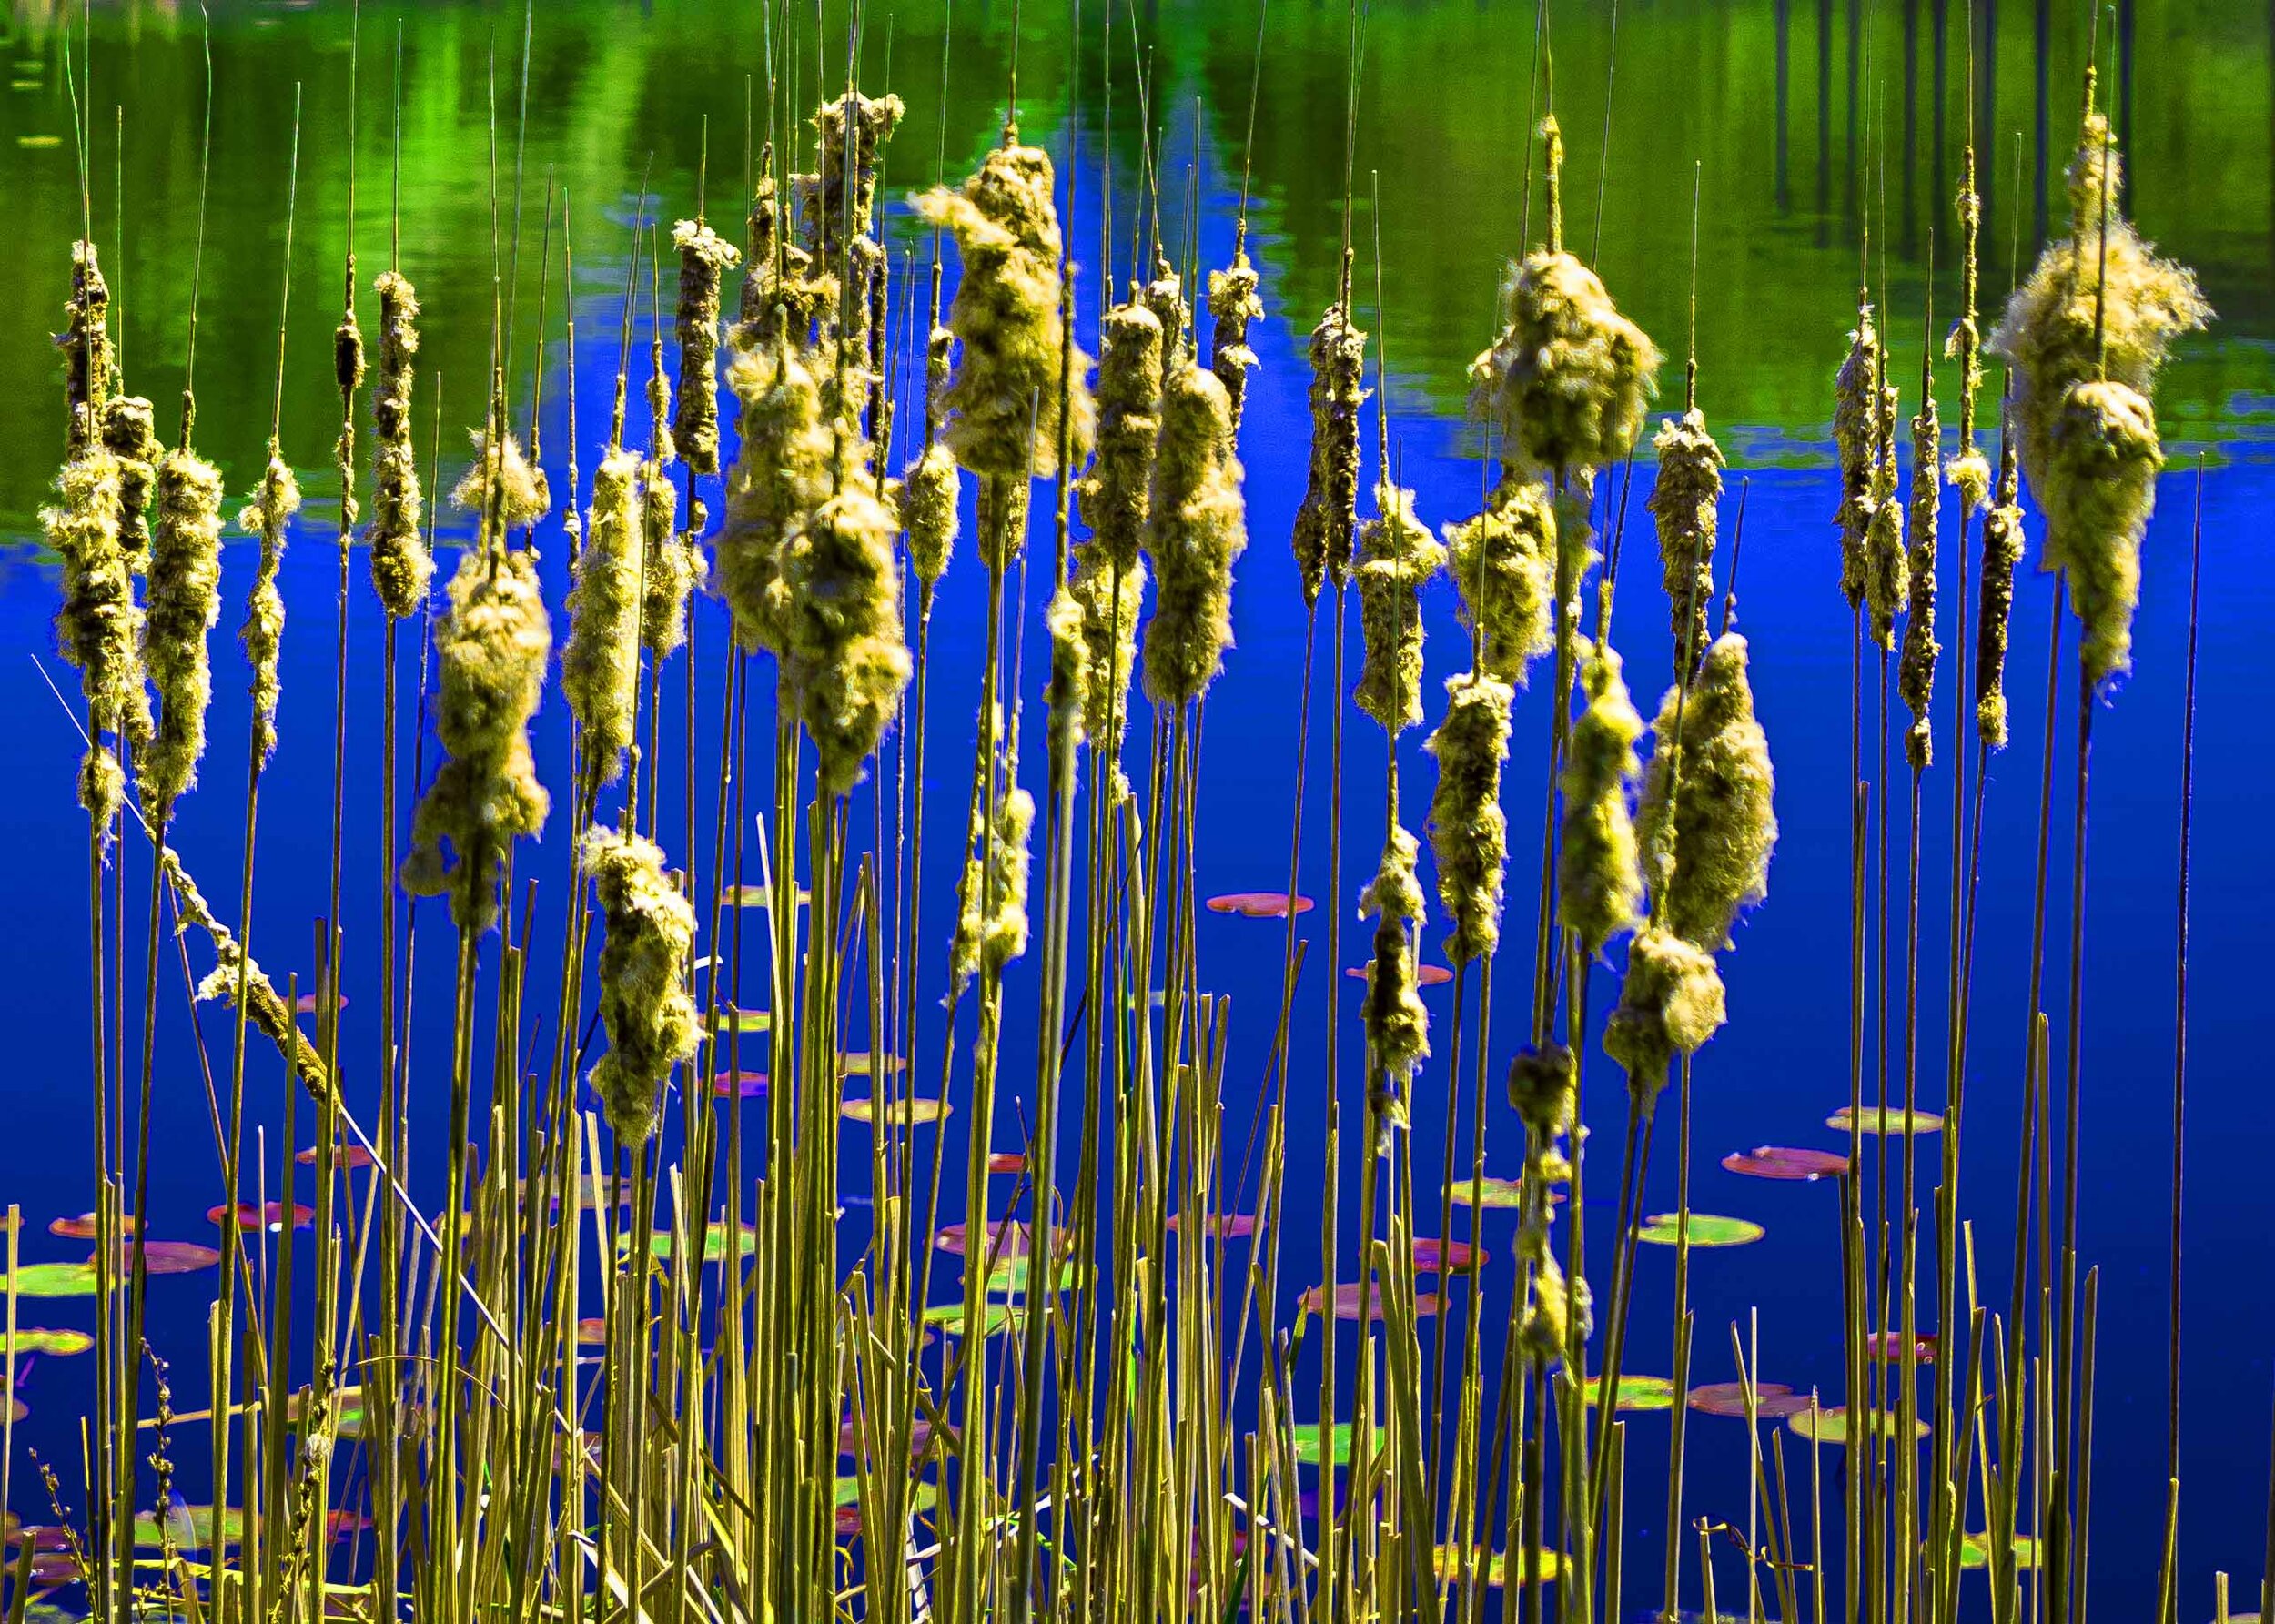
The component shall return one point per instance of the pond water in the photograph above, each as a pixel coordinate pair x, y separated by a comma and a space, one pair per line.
1795, 124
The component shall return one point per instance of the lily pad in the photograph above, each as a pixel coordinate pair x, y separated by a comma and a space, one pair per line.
1010, 1275
904, 1110
31, 1339
948, 1319
82, 1228
747, 1022
1831, 1425
1449, 1564
593, 1332
1888, 1347
191, 1527
756, 896
1974, 1552
1425, 1303
1773, 1400
1786, 1162
1006, 1237
56, 1280
1425, 975
347, 1155
860, 1063
714, 1243
1892, 1121
739, 1085
1496, 1193
1260, 905
1448, 1256
166, 1257
1224, 1226
1665, 1229
1006, 1161
1338, 1443
271, 1217
1634, 1392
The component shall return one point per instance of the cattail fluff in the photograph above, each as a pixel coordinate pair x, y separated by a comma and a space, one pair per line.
1542, 1091
1682, 501
1197, 530
1328, 516
1396, 556
1599, 884
1468, 833
1003, 404
99, 624
185, 602
705, 258
674, 561
130, 435
2002, 552
1502, 562
782, 298
275, 501
846, 656
1670, 1003
781, 474
1915, 672
1112, 599
932, 495
1165, 296
493, 643
1396, 1024
647, 935
402, 567
1887, 574
839, 201
1115, 492
1070, 674
991, 927
501, 490
1707, 821
1855, 436
1233, 303
1968, 470
2098, 308
348, 367
1568, 376
87, 348
599, 663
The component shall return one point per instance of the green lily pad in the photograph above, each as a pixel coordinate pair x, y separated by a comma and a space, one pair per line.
30, 1340
904, 1110
1449, 1564
948, 1319
1010, 1275
1665, 1229
1496, 1194
1831, 1425
1634, 1392
1974, 1552
191, 1527
1338, 1443
714, 1243
56, 1280
1876, 1120
756, 896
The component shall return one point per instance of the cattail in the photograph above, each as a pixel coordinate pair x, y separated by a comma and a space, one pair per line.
402, 567
1196, 533
1856, 436
1568, 376
991, 927
647, 935
1070, 673
1165, 296
185, 602
1915, 672
2105, 456
1398, 1025
1970, 470
1468, 833
705, 256
1707, 821
98, 625
1670, 1003
347, 374
1599, 885
87, 346
599, 663
844, 653
930, 498
1115, 492
502, 490
839, 201
1002, 405
781, 474
1232, 301
1328, 516
2002, 552
2098, 306
1887, 574
1397, 555
674, 562
129, 435
1683, 500
1544, 1092
782, 298
1502, 566
275, 501
1112, 598
264, 1005
494, 642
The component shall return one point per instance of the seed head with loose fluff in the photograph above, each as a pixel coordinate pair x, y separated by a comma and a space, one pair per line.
1070, 673
402, 567
705, 258
1599, 884
844, 653
2002, 552
1855, 436
185, 602
781, 474
1915, 672
85, 342
129, 434
1002, 403
647, 934
1115, 492
1683, 500
274, 503
494, 642
1233, 303
599, 663
99, 625
1397, 1023
1670, 1003
1197, 531
991, 927
1396, 556
931, 496
1468, 833
1569, 376
1887, 570
1707, 821
1112, 599
1502, 566
2105, 459
1328, 516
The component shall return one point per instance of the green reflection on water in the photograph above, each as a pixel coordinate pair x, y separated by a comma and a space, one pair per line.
1442, 122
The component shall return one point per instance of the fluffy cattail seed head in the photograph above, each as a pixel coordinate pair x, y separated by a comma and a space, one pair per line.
1070, 673
1233, 303
1568, 377
1599, 885
1328, 516
1115, 492
1887, 571
402, 567
1683, 500
1707, 821
647, 935
2002, 552
705, 258
991, 896
837, 202
1398, 1025
931, 497
1397, 555
87, 347
99, 625
781, 474
1503, 565
2104, 456
599, 665
1468, 833
846, 656
129, 435
675, 564
1855, 436
274, 503
1916, 673
185, 602
1112, 598
1670, 1004
1197, 531
502, 490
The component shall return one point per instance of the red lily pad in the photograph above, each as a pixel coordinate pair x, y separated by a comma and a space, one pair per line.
1786, 1162
82, 1228
1889, 1346
1425, 1303
167, 1258
1260, 905
739, 1085
1427, 976
1773, 1400
1448, 1257
272, 1218
1006, 1238
1006, 1161
1224, 1226
346, 1153
307, 1003
592, 1332
903, 1109
341, 1526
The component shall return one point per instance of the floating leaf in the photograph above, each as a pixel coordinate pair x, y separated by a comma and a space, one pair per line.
1831, 1425
592, 1332
1010, 1275
1006, 1238
1786, 1162
1449, 1562
860, 1063
904, 1110
948, 1319
1260, 905
342, 1526
82, 1228
1425, 1303
1665, 1229
346, 1154
756, 896
191, 1527
1634, 1392
1006, 1161
1448, 1257
307, 1003
270, 1218
747, 1022
737, 1085
1224, 1226
1773, 1400
714, 1243
30, 1340
1425, 975
55, 1280
1890, 1348
1886, 1120
1496, 1193
1974, 1552
166, 1258
1338, 1443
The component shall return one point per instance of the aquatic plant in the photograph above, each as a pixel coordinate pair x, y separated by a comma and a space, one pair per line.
1327, 521
184, 603
1683, 500
647, 937
129, 434
1469, 832
2002, 552
1600, 888
1234, 304
1197, 529
843, 652
400, 565
705, 258
1856, 439
1503, 563
1706, 818
781, 474
267, 515
599, 663
1397, 557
